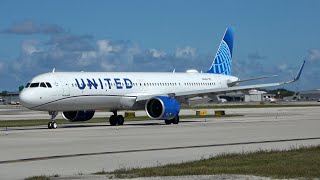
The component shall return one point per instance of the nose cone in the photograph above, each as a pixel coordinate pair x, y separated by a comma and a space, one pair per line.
27, 98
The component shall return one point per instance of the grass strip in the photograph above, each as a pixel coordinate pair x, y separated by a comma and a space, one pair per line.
40, 122
303, 162
42, 177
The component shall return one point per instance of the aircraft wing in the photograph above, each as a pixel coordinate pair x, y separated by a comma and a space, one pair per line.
245, 80
188, 94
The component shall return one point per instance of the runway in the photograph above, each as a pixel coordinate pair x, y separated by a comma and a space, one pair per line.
84, 149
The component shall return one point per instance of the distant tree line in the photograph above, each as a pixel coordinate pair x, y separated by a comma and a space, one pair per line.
3, 93
283, 92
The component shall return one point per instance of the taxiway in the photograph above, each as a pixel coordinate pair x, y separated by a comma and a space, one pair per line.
87, 148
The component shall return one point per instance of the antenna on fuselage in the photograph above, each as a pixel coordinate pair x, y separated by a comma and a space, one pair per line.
53, 70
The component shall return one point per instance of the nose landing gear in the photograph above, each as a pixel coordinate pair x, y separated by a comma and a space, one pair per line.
52, 124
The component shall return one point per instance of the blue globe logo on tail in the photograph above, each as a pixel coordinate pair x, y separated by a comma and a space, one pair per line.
223, 59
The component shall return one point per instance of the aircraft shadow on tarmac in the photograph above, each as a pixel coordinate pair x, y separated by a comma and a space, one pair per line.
156, 123
85, 125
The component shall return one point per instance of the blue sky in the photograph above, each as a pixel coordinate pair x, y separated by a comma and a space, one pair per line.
271, 37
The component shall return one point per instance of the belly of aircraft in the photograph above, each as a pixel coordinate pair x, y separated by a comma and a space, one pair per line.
78, 103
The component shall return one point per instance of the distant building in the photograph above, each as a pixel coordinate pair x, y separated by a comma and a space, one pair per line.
232, 96
258, 96
312, 95
1, 101
10, 98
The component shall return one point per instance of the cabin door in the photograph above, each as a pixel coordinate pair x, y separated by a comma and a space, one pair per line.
65, 87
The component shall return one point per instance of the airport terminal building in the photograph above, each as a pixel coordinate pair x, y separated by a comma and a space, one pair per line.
313, 95
10, 98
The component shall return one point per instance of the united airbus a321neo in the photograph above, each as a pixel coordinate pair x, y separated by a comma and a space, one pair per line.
79, 94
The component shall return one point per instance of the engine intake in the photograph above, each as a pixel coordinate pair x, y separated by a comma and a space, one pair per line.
162, 107
75, 116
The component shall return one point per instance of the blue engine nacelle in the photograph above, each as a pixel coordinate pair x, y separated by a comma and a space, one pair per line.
75, 116
162, 107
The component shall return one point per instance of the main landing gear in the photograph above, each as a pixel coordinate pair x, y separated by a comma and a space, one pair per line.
116, 119
175, 120
52, 124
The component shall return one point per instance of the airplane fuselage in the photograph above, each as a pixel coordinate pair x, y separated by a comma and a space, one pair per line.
75, 91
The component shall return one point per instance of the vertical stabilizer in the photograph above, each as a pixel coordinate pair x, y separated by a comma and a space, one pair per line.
223, 59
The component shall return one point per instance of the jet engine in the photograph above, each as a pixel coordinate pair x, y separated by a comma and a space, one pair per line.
162, 107
75, 116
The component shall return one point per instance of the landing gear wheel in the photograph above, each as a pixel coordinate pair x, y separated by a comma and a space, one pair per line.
175, 120
168, 121
120, 120
113, 120
49, 125
52, 125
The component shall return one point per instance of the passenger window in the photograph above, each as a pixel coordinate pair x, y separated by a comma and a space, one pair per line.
27, 85
49, 85
32, 85
43, 85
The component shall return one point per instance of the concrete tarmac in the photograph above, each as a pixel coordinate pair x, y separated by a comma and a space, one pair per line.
87, 148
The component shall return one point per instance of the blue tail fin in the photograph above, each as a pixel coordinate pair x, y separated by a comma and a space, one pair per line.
223, 59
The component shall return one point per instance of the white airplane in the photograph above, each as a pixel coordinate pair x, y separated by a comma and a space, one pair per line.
79, 94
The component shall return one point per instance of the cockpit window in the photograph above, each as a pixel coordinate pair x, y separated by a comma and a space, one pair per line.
32, 85
43, 85
49, 85
27, 85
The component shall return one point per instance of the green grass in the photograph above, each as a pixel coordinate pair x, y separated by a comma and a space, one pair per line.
42, 177
295, 163
19, 123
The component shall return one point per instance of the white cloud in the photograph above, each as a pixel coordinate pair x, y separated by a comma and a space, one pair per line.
282, 67
314, 55
107, 66
104, 47
186, 52
29, 47
87, 58
157, 53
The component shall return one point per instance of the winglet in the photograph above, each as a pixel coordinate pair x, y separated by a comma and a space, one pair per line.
300, 71
298, 74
